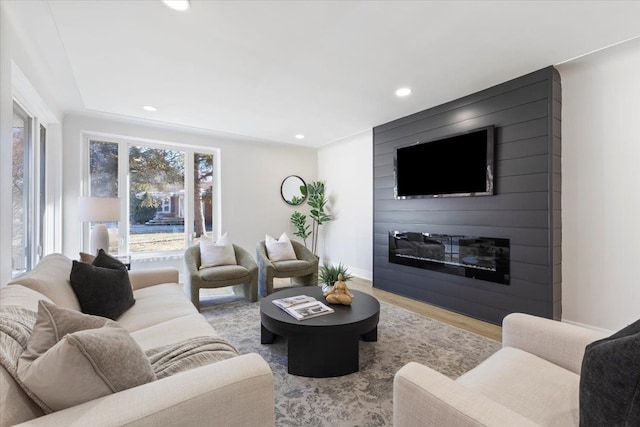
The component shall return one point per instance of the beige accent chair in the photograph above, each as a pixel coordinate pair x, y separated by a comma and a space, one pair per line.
243, 277
533, 380
303, 271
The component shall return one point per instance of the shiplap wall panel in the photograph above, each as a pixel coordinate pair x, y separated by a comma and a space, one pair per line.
525, 208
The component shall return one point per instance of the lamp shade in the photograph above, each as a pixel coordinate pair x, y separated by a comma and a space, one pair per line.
99, 209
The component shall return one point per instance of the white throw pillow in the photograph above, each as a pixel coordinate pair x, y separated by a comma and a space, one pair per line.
216, 253
281, 249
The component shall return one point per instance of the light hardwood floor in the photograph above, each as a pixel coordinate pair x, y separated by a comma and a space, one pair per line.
479, 327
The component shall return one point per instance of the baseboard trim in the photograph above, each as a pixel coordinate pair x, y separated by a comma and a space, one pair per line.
593, 328
363, 274
357, 272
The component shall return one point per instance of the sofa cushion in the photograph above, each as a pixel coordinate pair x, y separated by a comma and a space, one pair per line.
20, 296
223, 272
102, 291
51, 278
216, 253
173, 330
536, 389
610, 380
72, 358
291, 266
156, 304
279, 250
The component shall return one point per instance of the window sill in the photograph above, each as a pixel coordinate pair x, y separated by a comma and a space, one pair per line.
155, 257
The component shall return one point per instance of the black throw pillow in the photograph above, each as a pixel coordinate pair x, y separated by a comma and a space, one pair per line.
610, 380
105, 260
101, 291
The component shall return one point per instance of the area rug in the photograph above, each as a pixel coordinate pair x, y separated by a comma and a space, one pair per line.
365, 397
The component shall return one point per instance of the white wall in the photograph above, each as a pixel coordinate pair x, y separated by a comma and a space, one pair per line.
17, 53
600, 194
6, 114
346, 167
251, 176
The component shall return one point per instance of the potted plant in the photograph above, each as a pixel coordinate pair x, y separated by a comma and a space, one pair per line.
299, 221
317, 201
328, 275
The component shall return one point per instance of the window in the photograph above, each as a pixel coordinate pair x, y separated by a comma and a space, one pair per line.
27, 233
103, 181
20, 194
42, 216
203, 193
167, 192
156, 193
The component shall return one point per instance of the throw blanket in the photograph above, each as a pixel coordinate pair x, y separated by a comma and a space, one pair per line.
16, 326
189, 354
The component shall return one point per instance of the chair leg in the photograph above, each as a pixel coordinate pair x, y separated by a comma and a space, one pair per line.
251, 291
265, 282
308, 280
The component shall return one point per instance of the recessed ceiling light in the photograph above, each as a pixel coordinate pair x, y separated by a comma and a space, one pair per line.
150, 108
299, 136
180, 5
403, 91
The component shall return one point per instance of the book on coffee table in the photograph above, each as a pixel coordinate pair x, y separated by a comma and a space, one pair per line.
302, 307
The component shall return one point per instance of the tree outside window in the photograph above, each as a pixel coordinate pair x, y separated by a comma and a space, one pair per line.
19, 192
158, 203
202, 193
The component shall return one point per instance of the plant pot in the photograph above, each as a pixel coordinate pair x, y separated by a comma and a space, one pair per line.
326, 288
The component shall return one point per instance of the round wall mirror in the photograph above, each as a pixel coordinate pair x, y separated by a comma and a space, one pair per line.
293, 190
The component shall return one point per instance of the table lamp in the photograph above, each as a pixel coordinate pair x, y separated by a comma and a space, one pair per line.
99, 209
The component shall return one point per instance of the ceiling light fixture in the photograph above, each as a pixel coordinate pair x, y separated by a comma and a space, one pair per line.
149, 108
299, 136
403, 91
180, 5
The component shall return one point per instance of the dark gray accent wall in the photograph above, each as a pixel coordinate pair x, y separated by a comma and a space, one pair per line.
525, 208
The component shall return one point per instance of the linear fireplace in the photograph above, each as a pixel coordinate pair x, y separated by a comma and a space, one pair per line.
482, 258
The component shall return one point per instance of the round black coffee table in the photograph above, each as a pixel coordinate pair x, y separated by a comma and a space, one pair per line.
323, 346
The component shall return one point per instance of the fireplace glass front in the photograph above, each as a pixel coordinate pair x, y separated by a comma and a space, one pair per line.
482, 258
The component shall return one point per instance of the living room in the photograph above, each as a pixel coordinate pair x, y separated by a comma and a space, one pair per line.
598, 64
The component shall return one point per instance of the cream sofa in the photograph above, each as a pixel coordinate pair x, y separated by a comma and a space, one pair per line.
234, 392
533, 380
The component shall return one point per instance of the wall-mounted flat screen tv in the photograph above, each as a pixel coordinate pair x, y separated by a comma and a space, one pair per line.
457, 165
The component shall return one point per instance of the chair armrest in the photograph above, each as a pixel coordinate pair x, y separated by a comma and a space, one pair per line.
234, 392
261, 256
560, 343
424, 397
244, 258
144, 278
192, 262
303, 253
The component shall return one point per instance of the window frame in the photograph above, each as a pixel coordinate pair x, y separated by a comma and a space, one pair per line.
124, 142
45, 210
36, 216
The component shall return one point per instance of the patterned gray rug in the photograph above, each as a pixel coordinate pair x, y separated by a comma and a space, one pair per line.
365, 397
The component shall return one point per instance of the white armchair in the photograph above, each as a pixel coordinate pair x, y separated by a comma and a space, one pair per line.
532, 381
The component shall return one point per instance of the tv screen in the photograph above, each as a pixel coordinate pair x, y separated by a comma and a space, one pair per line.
458, 165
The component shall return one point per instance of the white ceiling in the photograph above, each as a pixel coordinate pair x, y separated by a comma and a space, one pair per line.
326, 69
